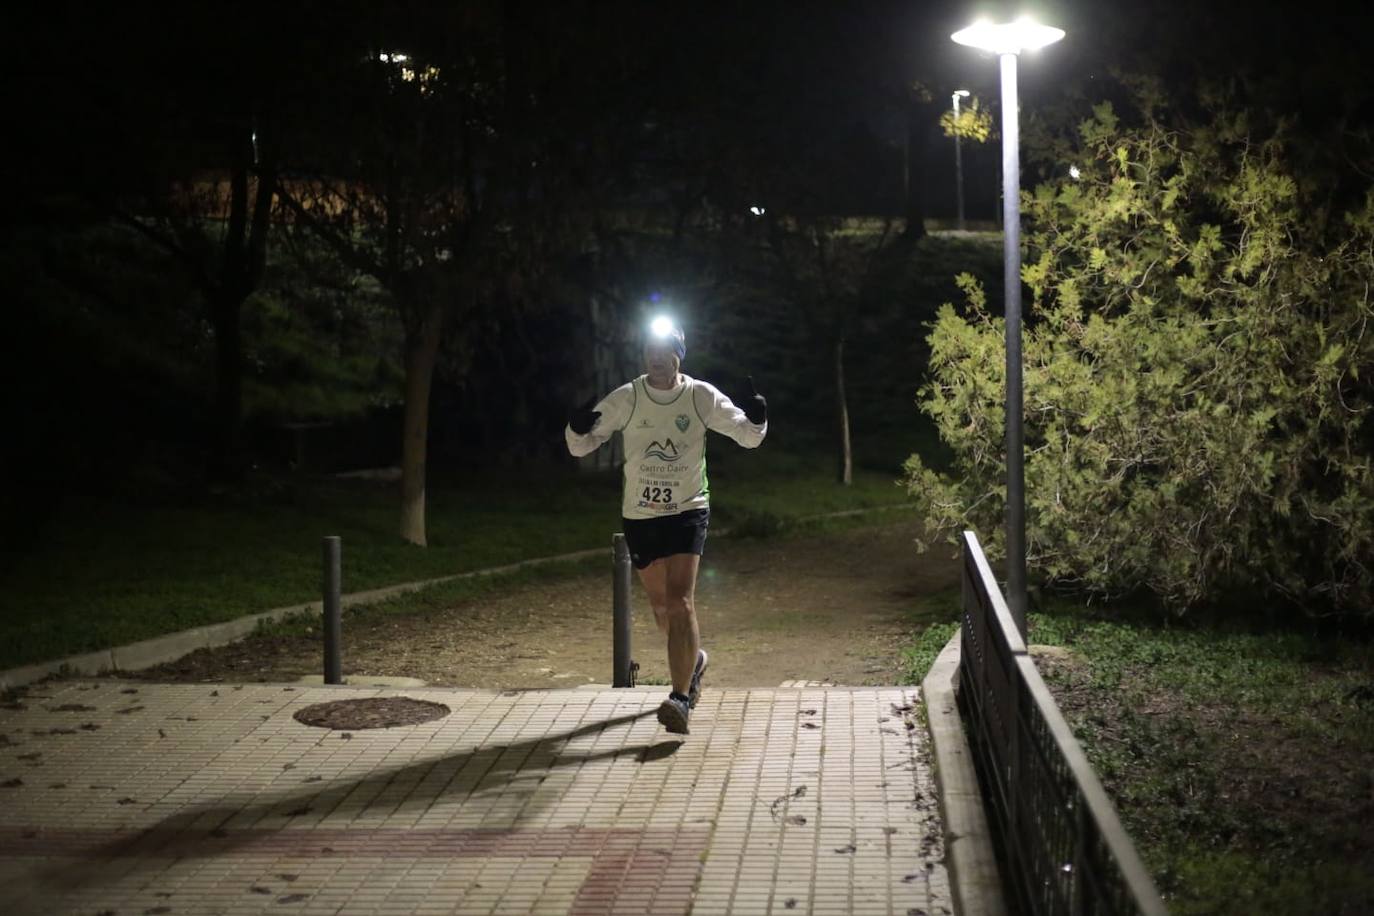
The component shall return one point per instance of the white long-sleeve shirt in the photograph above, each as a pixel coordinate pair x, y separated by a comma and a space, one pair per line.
665, 442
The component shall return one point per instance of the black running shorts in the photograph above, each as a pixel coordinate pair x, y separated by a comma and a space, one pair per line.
651, 539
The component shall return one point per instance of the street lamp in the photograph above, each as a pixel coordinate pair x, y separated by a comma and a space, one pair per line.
1007, 41
958, 158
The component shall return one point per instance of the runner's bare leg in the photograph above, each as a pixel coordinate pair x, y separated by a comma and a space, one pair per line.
654, 578
684, 638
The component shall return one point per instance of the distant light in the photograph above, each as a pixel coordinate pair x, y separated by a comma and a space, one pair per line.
757, 211
1008, 37
1074, 173
661, 327
393, 58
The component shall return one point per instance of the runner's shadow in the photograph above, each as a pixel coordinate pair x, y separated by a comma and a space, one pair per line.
224, 827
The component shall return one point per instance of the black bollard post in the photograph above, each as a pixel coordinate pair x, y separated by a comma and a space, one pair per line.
332, 623
623, 674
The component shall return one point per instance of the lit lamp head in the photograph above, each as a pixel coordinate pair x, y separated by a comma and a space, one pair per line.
1008, 37
664, 332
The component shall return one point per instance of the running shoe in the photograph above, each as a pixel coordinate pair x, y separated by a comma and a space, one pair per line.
673, 713
694, 691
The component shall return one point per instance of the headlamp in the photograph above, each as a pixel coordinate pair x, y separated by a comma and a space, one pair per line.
661, 327
663, 330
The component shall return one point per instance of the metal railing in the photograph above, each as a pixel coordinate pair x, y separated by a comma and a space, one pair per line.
1063, 848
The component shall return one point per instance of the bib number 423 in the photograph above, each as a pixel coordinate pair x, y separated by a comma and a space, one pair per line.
657, 494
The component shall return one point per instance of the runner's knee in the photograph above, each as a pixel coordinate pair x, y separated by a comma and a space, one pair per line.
680, 606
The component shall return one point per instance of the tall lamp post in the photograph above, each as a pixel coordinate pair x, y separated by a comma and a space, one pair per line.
1007, 41
958, 159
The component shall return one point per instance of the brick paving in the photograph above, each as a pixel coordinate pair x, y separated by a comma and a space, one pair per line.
211, 799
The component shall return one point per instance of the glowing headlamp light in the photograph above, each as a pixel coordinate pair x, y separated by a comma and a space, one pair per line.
663, 330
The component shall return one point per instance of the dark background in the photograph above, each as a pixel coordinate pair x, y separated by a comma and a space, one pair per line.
649, 130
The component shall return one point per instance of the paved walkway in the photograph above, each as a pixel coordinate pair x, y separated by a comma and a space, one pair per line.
120, 798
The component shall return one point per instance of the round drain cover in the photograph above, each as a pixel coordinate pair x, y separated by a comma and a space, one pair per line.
372, 712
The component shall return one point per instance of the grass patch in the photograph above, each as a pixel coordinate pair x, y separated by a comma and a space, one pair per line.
938, 618
924, 649
1240, 761
117, 573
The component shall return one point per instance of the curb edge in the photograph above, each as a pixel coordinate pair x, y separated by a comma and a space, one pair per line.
974, 878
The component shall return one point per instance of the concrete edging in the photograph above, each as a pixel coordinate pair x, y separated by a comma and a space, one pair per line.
973, 875
162, 649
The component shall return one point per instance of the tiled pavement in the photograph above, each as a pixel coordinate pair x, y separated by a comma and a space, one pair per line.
140, 799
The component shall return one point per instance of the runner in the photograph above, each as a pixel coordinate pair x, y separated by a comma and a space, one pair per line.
664, 416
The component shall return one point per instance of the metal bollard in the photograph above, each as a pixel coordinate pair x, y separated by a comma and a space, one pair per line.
332, 623
623, 674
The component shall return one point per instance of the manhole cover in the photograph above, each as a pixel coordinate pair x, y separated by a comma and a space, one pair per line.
373, 712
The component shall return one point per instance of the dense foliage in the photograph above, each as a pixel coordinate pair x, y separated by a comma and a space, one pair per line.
1197, 370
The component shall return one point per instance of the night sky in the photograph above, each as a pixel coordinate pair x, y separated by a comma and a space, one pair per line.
85, 84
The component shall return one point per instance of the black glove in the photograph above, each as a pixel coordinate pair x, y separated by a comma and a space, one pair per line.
583, 419
754, 406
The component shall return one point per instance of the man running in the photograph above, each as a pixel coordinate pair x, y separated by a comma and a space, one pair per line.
664, 416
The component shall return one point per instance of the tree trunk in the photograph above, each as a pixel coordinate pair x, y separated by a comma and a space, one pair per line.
606, 375
245, 257
846, 468
227, 464
422, 352
917, 128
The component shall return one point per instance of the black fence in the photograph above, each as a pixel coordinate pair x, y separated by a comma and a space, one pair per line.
1063, 850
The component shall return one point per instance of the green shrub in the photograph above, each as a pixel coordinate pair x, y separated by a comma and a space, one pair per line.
1197, 364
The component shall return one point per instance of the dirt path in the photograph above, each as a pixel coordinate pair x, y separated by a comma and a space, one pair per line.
836, 607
